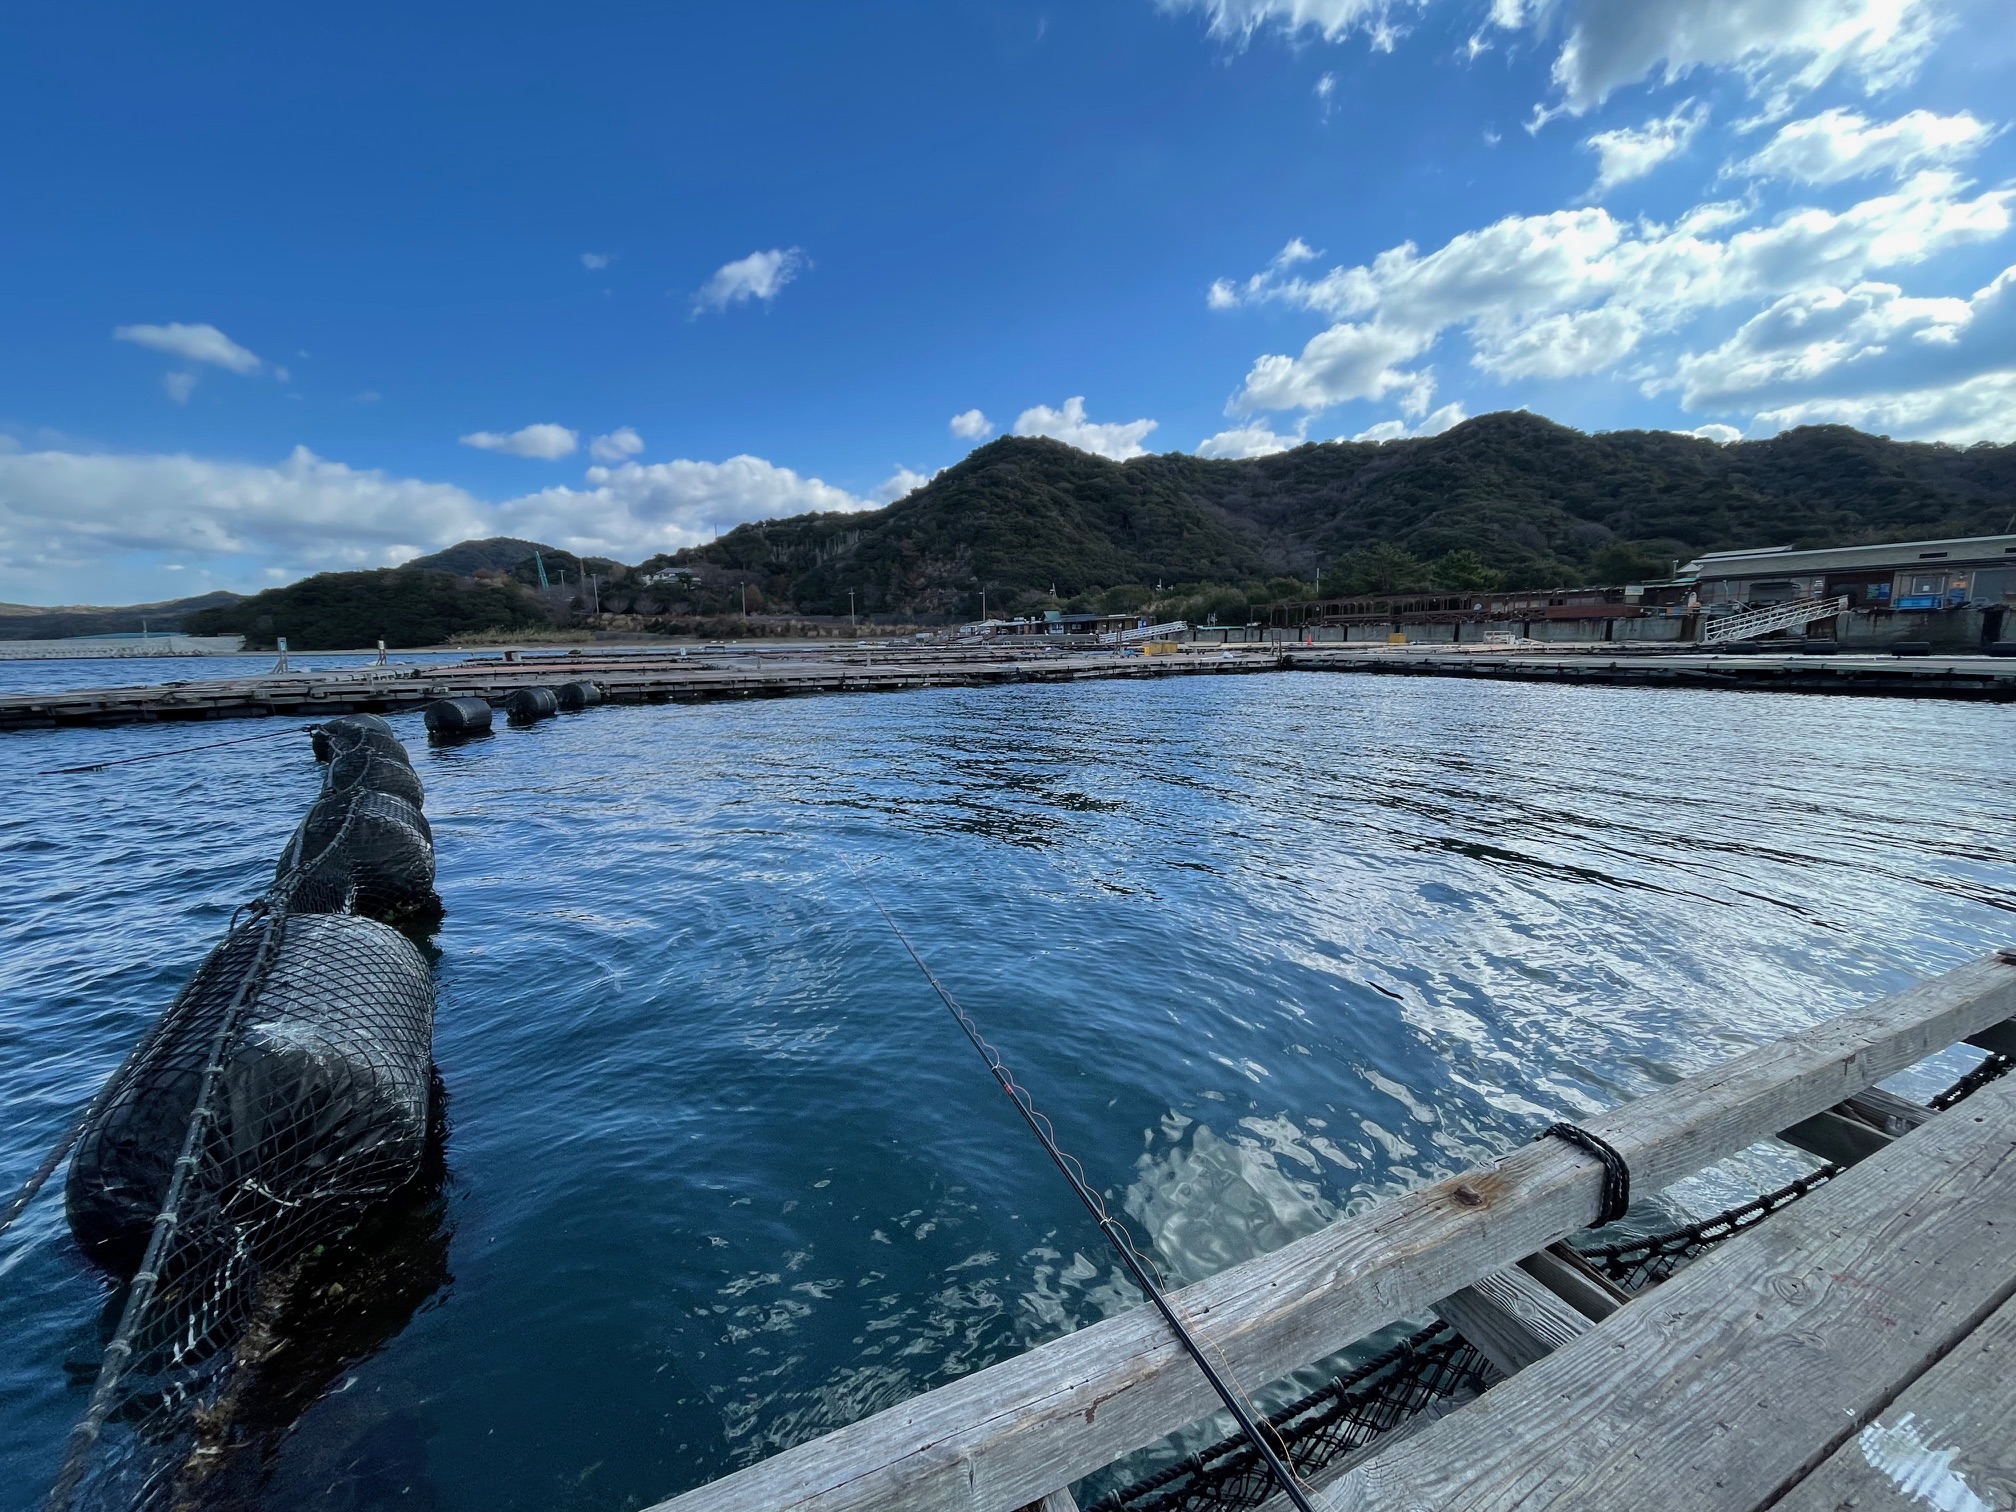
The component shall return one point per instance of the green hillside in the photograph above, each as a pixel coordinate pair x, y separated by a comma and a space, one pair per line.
402, 606
1508, 498
31, 622
495, 553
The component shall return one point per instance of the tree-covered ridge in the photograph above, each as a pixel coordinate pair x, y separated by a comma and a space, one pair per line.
1509, 497
402, 606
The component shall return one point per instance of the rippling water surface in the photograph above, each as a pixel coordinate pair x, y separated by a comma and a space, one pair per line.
724, 1176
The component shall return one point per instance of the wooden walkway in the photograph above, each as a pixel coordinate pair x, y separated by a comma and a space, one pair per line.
1852, 1350
653, 676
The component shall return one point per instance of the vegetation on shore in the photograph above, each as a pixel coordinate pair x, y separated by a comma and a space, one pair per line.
1506, 500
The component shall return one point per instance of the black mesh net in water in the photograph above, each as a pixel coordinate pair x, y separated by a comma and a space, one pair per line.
1436, 1368
261, 1175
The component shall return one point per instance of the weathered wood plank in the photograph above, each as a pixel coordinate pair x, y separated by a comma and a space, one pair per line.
1845, 1141
1575, 1281
1511, 1318
1004, 1436
1894, 1115
1725, 1386
1949, 1442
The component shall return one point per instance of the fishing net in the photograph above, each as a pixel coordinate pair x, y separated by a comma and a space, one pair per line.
261, 1175
1437, 1369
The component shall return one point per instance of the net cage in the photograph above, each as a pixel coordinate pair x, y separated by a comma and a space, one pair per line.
1436, 1369
261, 1176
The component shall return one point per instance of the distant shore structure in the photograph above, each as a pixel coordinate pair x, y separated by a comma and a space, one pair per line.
156, 643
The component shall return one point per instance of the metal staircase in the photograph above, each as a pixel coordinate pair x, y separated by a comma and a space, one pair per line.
1755, 622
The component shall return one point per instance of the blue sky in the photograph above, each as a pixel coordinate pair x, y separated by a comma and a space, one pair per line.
283, 292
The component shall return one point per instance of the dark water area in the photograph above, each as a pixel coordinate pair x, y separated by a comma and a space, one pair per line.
723, 1176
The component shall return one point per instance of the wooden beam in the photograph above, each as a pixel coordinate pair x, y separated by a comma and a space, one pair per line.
1894, 1115
1845, 1141
1948, 1441
1004, 1436
1726, 1385
1511, 1318
1575, 1281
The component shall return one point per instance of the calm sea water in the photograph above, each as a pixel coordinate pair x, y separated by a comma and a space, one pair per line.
723, 1175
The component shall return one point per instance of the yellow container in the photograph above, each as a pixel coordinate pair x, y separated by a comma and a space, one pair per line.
1397, 638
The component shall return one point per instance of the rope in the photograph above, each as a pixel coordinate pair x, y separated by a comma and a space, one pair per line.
1115, 1232
100, 766
1616, 1174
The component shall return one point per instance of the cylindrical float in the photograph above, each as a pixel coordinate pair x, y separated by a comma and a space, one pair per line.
459, 716
528, 705
368, 771
351, 730
320, 1106
575, 696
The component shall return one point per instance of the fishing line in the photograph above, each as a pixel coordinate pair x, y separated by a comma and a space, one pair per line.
1116, 1233
99, 766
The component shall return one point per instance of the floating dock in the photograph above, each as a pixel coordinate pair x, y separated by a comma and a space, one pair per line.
654, 676
1856, 1348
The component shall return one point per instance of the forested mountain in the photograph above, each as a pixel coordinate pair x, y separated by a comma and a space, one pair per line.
31, 622
402, 606
1507, 497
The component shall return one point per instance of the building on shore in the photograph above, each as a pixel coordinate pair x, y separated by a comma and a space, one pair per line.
1956, 594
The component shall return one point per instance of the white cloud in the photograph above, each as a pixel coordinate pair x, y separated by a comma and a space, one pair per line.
971, 425
179, 386
1840, 144
1236, 21
1326, 89
73, 518
1631, 152
900, 484
1574, 291
192, 343
548, 443
619, 445
1118, 440
1871, 338
1978, 409
594, 262
1431, 425
760, 275
1781, 48
1721, 435
1256, 439
65, 510
637, 509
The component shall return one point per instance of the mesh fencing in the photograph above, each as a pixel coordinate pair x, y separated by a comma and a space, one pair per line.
261, 1175
1437, 1369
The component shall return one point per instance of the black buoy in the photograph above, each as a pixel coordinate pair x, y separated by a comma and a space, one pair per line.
348, 730
529, 705
575, 696
459, 716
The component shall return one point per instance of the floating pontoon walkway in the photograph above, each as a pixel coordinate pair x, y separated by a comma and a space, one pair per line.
1855, 1349
654, 676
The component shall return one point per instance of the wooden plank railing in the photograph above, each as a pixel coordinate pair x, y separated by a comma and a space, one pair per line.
1007, 1436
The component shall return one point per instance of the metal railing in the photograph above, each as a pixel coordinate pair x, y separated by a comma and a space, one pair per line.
1754, 622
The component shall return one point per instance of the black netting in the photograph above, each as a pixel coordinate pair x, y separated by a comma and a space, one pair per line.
1438, 1367
261, 1175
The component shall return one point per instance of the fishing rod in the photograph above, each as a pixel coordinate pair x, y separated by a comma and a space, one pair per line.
1116, 1233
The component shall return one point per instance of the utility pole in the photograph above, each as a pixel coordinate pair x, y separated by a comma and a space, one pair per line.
745, 601
851, 631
